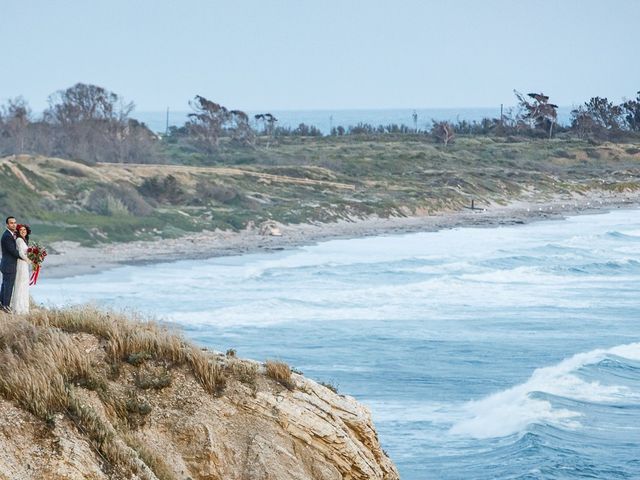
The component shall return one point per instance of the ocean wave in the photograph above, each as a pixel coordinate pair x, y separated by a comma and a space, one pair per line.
611, 267
627, 236
513, 410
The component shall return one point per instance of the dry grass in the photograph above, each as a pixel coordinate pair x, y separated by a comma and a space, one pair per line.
208, 371
39, 366
245, 371
280, 372
42, 365
45, 369
105, 439
137, 341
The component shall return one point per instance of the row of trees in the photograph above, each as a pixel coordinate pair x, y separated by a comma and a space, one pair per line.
602, 119
536, 116
90, 123
83, 122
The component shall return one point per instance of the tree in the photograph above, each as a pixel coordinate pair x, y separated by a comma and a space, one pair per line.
443, 132
583, 124
268, 122
338, 131
86, 103
304, 130
269, 125
206, 123
135, 142
241, 131
605, 113
597, 118
538, 112
15, 118
91, 123
631, 112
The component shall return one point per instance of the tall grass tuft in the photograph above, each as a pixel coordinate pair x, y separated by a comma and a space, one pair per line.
280, 372
126, 338
36, 365
39, 365
43, 368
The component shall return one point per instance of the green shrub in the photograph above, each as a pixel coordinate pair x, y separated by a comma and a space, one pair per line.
212, 191
163, 190
152, 379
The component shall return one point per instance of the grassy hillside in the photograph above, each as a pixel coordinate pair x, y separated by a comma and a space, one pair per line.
300, 180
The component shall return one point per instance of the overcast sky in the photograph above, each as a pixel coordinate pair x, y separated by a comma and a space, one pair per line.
322, 54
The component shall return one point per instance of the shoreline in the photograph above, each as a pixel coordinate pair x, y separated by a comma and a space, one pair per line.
69, 259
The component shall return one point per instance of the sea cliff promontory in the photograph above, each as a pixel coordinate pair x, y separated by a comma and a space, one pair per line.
87, 394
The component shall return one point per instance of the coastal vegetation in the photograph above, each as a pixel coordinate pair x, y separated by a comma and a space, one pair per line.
301, 180
43, 369
86, 171
124, 385
280, 372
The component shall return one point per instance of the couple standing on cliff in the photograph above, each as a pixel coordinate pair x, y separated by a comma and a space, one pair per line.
14, 266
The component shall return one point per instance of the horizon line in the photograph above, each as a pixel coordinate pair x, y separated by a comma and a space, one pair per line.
347, 109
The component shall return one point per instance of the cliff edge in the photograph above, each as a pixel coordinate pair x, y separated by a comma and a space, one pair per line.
86, 394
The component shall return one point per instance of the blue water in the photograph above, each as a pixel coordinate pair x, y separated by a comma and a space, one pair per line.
508, 352
326, 119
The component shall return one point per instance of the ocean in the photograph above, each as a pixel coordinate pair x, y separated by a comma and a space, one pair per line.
510, 352
326, 119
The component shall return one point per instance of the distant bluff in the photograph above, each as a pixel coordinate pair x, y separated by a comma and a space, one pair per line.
86, 394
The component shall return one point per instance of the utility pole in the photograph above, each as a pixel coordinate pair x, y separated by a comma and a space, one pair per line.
166, 130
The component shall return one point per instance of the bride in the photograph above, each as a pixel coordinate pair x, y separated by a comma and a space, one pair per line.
20, 296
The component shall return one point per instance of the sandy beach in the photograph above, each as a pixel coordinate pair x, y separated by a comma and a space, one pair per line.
70, 259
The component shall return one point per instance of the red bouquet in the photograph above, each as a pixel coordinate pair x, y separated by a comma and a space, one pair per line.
36, 253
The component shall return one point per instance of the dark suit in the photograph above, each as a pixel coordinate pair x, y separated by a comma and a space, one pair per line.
8, 265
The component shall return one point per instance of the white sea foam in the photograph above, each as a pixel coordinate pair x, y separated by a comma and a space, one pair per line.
512, 410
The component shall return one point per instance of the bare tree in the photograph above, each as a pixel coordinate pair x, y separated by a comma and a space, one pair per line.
15, 118
92, 122
134, 142
538, 112
443, 132
86, 103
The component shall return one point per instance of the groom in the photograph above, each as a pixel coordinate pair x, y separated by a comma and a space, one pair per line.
8, 264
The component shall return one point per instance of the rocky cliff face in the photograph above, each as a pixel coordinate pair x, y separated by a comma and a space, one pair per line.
86, 395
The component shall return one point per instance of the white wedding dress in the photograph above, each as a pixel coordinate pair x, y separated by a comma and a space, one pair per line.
20, 295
